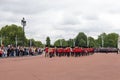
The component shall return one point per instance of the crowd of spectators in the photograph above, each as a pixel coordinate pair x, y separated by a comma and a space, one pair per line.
12, 51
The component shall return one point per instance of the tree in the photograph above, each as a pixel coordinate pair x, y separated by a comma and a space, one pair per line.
71, 42
64, 43
10, 33
48, 42
107, 40
111, 40
61, 42
57, 43
101, 40
92, 42
81, 40
82, 43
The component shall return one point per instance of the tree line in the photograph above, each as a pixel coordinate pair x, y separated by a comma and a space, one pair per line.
9, 34
81, 40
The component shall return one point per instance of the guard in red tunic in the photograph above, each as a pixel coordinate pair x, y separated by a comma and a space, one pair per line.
75, 50
85, 51
68, 51
64, 52
91, 51
80, 51
51, 52
60, 51
46, 51
72, 52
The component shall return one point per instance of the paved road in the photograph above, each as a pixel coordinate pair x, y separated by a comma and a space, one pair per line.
94, 67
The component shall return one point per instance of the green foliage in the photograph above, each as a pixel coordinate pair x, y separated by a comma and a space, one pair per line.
81, 40
110, 40
48, 42
92, 42
38, 44
61, 42
71, 42
64, 43
99, 40
9, 34
35, 43
57, 43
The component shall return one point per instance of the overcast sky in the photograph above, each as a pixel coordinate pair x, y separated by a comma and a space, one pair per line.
62, 18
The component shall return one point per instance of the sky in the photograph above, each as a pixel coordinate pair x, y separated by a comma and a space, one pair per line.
62, 18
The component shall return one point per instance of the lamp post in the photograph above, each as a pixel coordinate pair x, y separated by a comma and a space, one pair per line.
102, 37
16, 42
1, 40
61, 42
30, 42
73, 42
87, 41
118, 46
23, 23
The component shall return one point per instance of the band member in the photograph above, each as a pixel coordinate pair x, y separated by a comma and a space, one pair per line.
60, 51
68, 51
46, 52
51, 52
75, 50
72, 52
80, 51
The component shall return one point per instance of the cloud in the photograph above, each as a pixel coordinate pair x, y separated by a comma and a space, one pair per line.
90, 17
62, 18
70, 19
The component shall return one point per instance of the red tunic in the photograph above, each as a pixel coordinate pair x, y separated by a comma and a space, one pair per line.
80, 50
1, 52
46, 50
52, 50
68, 50
76, 49
60, 50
